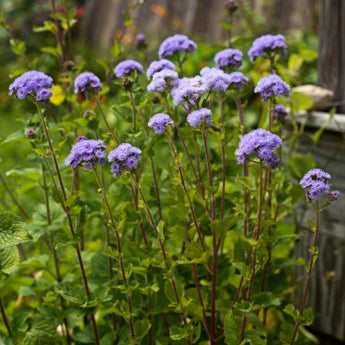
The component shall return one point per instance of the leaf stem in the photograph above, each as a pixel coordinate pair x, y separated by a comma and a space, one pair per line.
4, 317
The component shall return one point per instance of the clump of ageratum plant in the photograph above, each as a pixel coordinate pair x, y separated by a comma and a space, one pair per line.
263, 144
86, 82
124, 157
86, 152
159, 122
176, 44
32, 83
271, 86
199, 117
228, 58
159, 65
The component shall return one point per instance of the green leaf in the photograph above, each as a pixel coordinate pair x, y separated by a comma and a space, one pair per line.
300, 101
13, 230
178, 333
295, 62
9, 259
29, 173
17, 46
170, 292
16, 136
266, 299
291, 310
312, 226
232, 328
307, 317
319, 132
141, 327
160, 229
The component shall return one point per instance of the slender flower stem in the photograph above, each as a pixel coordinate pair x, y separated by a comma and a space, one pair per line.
222, 146
119, 248
313, 254
4, 317
134, 116
113, 135
161, 243
69, 218
256, 235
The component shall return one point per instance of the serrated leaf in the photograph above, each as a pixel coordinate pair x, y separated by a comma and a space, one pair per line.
311, 225
9, 259
232, 328
13, 230
141, 327
170, 292
178, 333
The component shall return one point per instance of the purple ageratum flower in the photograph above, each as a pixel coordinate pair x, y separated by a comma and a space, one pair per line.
176, 44
188, 89
162, 80
159, 65
316, 182
267, 44
125, 156
279, 112
195, 118
261, 142
238, 80
272, 86
215, 79
30, 133
34, 83
230, 56
87, 152
159, 121
140, 37
126, 67
86, 81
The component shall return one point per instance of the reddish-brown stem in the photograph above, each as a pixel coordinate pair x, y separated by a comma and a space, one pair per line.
310, 271
4, 317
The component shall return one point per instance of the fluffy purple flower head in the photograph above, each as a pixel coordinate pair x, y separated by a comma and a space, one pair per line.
157, 66
125, 156
189, 90
215, 79
228, 57
159, 121
267, 44
195, 118
316, 183
176, 44
162, 80
33, 83
272, 86
30, 133
140, 37
279, 112
86, 81
237, 80
261, 142
87, 152
126, 67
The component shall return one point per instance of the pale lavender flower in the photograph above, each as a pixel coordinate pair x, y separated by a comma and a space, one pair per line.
267, 44
30, 133
200, 116
162, 80
157, 66
126, 67
176, 44
272, 86
86, 81
188, 90
33, 83
238, 80
140, 37
228, 57
263, 144
87, 152
279, 112
215, 79
124, 157
316, 183
159, 121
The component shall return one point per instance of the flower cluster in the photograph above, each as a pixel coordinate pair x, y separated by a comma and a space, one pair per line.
228, 57
188, 89
33, 83
279, 112
215, 79
272, 86
86, 151
126, 67
159, 121
162, 80
125, 156
267, 44
197, 117
157, 66
176, 44
316, 182
237, 80
261, 142
86, 81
